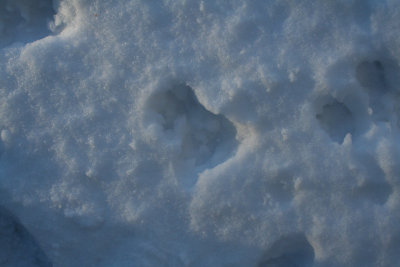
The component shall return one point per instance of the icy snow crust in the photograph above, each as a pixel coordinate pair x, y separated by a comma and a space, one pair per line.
200, 133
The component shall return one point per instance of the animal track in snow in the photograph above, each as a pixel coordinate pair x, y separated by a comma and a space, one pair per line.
204, 137
290, 251
24, 20
337, 120
376, 192
380, 79
371, 75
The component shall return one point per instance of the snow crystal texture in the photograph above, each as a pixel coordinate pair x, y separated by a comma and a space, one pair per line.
200, 133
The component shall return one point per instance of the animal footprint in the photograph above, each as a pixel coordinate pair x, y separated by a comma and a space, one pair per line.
205, 137
337, 120
380, 80
371, 75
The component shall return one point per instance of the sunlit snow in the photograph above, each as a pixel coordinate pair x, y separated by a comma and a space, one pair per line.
200, 133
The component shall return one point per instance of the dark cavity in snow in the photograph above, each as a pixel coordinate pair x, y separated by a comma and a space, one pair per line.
371, 75
17, 245
206, 138
337, 120
378, 192
290, 251
24, 20
373, 188
380, 79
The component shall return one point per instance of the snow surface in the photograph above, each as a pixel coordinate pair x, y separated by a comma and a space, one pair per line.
199, 133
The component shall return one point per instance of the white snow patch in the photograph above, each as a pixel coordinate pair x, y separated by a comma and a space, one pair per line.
199, 133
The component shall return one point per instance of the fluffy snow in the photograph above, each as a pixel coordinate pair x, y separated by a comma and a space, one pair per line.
199, 133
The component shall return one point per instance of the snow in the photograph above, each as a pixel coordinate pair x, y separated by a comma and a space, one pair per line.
199, 133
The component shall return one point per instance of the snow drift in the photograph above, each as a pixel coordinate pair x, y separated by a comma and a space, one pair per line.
199, 133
